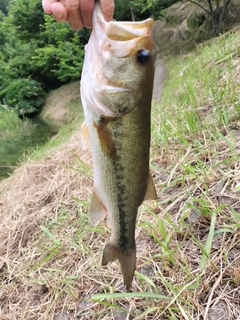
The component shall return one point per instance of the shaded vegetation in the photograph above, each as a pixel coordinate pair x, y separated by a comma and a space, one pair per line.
37, 55
216, 9
3, 6
9, 120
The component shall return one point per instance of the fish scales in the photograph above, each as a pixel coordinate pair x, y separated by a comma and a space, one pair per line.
120, 142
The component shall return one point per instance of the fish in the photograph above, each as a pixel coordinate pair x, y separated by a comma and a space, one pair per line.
116, 93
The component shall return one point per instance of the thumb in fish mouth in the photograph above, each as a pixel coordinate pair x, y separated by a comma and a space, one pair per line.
127, 260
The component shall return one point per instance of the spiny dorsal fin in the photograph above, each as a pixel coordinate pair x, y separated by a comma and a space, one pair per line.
151, 193
97, 211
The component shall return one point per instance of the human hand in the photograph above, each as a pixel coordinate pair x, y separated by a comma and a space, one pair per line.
78, 13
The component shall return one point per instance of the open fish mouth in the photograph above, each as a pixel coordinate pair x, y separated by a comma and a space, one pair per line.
121, 38
105, 66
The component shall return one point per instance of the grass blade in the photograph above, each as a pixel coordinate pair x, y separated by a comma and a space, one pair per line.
209, 241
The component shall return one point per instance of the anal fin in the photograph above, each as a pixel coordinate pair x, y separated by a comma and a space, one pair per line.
151, 193
97, 211
110, 254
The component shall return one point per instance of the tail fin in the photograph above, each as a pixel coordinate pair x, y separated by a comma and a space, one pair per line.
127, 261
126, 258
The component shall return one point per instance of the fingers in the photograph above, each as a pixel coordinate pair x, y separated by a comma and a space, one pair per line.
59, 12
57, 9
86, 9
74, 17
78, 13
107, 9
47, 5
65, 10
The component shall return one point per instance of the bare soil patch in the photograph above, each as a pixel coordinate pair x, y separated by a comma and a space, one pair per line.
63, 104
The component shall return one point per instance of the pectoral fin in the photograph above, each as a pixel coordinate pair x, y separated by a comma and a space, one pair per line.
151, 193
97, 211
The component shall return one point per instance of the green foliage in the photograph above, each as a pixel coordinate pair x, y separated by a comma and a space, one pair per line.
25, 96
63, 54
2, 15
151, 7
9, 119
142, 9
196, 20
36, 54
27, 17
3, 7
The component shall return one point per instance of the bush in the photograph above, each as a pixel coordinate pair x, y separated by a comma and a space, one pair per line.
9, 120
25, 96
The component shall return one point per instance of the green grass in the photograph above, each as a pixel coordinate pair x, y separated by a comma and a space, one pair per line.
64, 134
195, 150
9, 121
198, 82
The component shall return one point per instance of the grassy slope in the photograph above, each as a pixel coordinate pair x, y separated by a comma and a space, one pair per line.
186, 24
188, 242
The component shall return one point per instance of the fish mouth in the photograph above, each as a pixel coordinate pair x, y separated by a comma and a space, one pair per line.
104, 88
121, 38
124, 31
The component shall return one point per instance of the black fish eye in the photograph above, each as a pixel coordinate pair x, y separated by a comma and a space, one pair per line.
143, 56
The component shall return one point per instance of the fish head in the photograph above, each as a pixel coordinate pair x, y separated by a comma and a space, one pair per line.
118, 66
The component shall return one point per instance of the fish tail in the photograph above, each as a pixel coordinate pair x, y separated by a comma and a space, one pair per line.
127, 259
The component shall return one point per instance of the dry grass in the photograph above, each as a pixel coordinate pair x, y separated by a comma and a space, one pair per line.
51, 256
185, 24
37, 194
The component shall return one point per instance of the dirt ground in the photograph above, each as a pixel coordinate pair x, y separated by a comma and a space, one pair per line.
35, 262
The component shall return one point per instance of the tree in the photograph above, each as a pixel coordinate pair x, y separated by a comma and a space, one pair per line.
37, 54
216, 9
61, 51
3, 6
140, 9
27, 17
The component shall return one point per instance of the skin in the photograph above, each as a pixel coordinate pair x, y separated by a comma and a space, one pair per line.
78, 13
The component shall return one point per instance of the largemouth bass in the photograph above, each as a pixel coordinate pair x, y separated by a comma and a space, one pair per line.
116, 92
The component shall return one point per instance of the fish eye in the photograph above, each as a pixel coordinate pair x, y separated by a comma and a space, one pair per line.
143, 56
